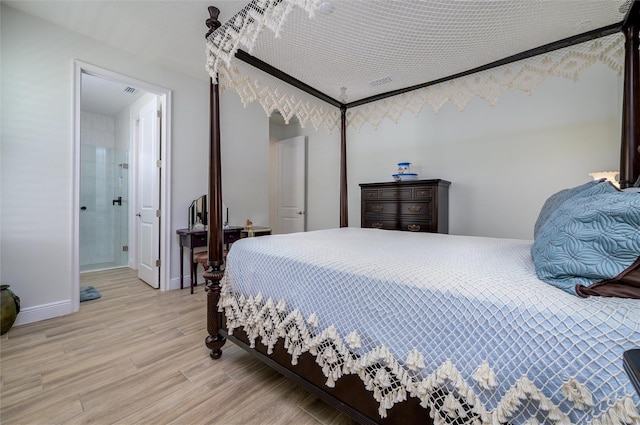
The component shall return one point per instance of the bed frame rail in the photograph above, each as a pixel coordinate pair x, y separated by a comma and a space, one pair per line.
349, 394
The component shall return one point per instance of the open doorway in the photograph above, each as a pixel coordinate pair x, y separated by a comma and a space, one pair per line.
105, 145
287, 175
120, 173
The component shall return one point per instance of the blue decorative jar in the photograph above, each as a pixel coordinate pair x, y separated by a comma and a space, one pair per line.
404, 167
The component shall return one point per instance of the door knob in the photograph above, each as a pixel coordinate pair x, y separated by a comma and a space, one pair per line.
137, 214
83, 208
300, 212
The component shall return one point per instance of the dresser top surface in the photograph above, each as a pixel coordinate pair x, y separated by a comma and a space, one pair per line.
438, 182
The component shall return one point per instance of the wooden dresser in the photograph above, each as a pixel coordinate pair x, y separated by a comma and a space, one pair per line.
415, 206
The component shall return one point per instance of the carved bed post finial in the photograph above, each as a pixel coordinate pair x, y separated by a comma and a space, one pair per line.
214, 274
214, 341
212, 21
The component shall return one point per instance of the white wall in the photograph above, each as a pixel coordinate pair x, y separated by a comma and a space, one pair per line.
244, 134
503, 160
37, 161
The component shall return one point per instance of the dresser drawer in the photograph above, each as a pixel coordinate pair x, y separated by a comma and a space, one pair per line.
199, 239
410, 208
369, 194
402, 224
417, 226
380, 207
395, 193
422, 192
231, 237
381, 223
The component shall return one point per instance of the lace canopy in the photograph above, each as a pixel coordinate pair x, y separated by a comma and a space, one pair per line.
351, 51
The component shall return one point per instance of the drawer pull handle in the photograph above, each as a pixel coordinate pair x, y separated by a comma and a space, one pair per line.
413, 227
376, 208
376, 225
415, 208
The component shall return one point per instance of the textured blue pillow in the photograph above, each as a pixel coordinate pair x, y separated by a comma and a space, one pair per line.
592, 237
557, 199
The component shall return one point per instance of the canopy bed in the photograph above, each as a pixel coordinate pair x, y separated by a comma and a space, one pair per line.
476, 332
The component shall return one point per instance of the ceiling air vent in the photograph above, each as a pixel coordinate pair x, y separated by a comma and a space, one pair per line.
130, 90
380, 81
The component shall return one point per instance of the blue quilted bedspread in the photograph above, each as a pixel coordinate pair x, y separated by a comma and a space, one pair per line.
465, 315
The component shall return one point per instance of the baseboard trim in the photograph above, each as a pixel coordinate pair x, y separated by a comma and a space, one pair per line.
175, 282
43, 312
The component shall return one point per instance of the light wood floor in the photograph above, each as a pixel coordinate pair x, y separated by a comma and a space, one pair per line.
137, 356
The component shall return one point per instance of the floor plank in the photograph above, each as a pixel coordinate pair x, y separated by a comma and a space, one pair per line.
137, 356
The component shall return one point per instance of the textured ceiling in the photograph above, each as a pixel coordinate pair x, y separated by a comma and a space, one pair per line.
170, 33
375, 46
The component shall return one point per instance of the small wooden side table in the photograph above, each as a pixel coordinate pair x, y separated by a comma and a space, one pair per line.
257, 231
199, 238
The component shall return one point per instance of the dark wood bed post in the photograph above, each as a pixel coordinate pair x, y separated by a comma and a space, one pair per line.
344, 203
630, 144
214, 274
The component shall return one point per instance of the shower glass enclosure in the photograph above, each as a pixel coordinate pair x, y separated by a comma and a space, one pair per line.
104, 182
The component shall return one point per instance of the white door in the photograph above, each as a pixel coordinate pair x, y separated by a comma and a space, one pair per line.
148, 234
291, 184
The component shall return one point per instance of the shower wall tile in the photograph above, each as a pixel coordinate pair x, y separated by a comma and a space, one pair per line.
102, 224
98, 130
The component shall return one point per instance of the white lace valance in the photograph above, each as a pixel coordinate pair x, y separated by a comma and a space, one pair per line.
525, 75
253, 85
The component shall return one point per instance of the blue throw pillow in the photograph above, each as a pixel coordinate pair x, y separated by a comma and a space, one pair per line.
557, 199
592, 237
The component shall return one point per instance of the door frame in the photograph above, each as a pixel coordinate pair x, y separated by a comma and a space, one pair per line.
164, 94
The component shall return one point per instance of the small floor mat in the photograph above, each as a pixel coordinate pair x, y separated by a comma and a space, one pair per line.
88, 293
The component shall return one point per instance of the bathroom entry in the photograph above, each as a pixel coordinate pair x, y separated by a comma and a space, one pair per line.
125, 124
104, 172
119, 178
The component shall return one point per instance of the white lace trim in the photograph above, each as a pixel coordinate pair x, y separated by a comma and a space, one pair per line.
525, 75
253, 85
246, 26
445, 391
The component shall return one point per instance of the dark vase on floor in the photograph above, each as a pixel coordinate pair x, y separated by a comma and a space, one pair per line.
10, 304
